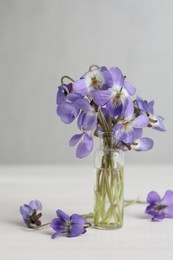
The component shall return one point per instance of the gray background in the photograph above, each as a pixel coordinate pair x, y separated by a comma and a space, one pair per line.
40, 41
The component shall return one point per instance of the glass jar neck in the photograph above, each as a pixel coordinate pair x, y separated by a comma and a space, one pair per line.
107, 140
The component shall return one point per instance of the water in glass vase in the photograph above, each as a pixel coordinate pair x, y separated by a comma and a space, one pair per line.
109, 188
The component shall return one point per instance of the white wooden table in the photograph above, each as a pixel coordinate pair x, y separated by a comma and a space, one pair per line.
70, 188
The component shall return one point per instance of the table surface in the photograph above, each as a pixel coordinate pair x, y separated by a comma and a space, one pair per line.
70, 188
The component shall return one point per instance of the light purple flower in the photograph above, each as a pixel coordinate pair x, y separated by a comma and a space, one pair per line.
141, 144
115, 96
63, 92
144, 105
31, 213
119, 80
130, 127
93, 80
85, 145
73, 225
155, 122
66, 99
106, 91
160, 208
87, 119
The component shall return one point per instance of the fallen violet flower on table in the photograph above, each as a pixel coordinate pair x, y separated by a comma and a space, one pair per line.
31, 213
73, 225
160, 208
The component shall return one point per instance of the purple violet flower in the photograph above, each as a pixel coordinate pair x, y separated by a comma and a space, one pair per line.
87, 119
93, 80
141, 144
73, 225
160, 208
31, 213
130, 128
155, 122
115, 96
62, 93
101, 100
66, 99
85, 146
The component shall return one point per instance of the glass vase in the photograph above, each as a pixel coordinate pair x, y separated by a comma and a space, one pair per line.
109, 184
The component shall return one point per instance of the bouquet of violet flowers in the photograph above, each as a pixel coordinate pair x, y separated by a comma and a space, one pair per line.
105, 106
103, 102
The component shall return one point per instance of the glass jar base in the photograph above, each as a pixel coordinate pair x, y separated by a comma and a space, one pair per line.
110, 226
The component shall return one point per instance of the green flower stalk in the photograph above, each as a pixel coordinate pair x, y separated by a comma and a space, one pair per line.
108, 209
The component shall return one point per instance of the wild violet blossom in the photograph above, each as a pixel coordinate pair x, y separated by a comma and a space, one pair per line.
66, 108
156, 122
102, 100
31, 213
73, 225
160, 208
92, 81
115, 96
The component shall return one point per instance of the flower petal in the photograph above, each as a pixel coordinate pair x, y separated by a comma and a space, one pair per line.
117, 76
128, 109
25, 211
127, 135
85, 147
72, 97
130, 89
89, 121
159, 124
138, 133
62, 215
168, 197
169, 211
80, 87
141, 121
151, 103
114, 109
143, 105
61, 94
107, 77
156, 214
76, 230
58, 224
117, 126
75, 139
55, 234
83, 104
80, 119
100, 97
67, 112
142, 144
35, 204
77, 219
153, 197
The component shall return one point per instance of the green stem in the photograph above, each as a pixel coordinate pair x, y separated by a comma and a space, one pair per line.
89, 215
131, 202
103, 122
41, 226
93, 66
66, 77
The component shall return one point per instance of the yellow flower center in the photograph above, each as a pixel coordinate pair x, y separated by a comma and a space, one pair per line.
125, 123
117, 96
94, 82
